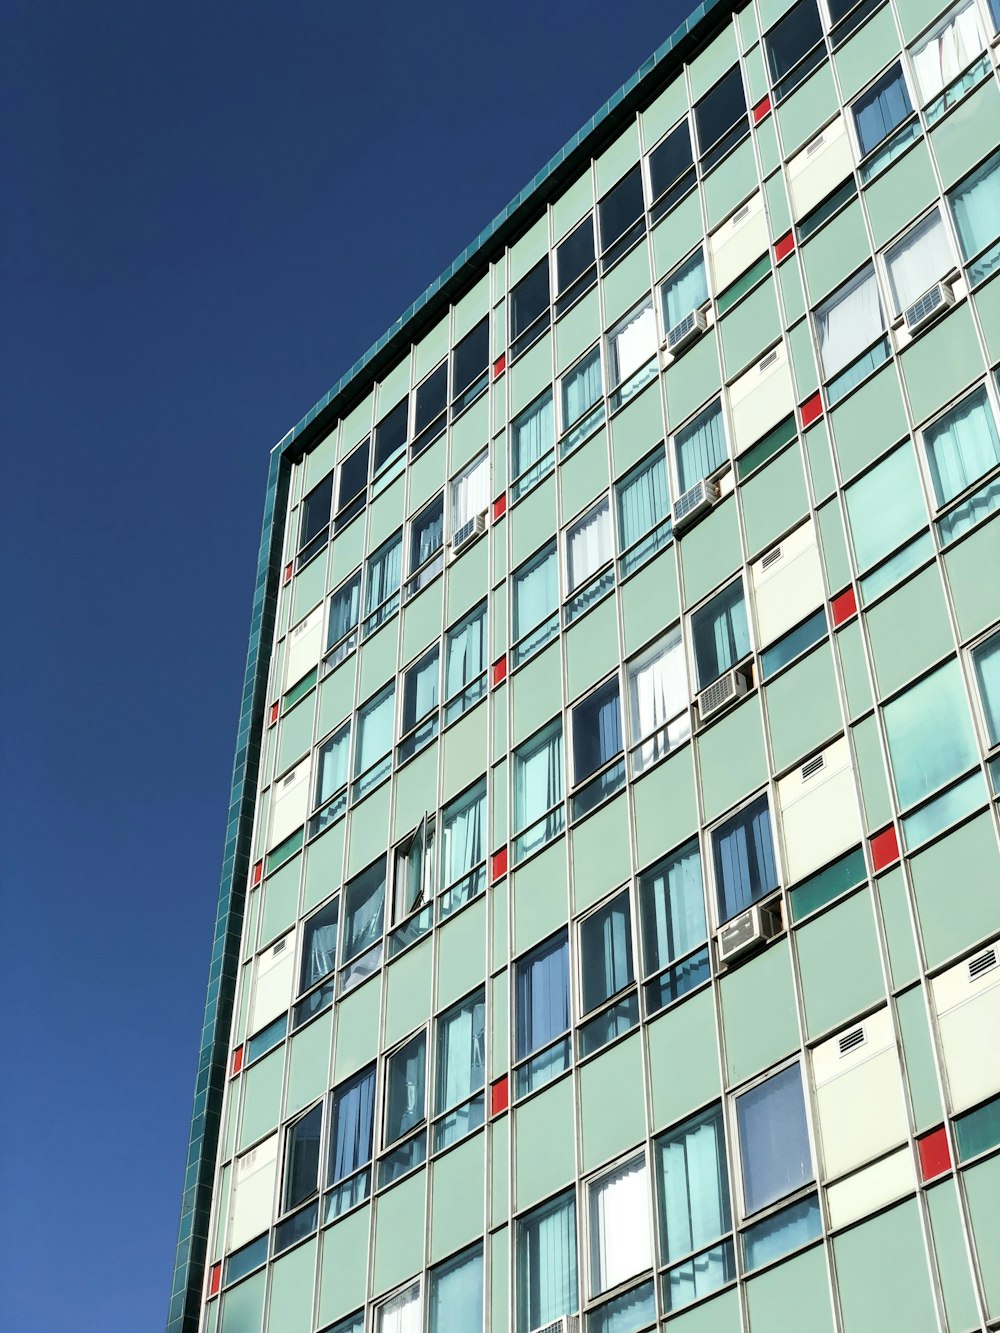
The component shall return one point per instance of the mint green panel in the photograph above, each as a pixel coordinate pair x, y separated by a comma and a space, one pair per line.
804, 372
835, 252
664, 804
386, 514
336, 696
584, 475
537, 693
903, 963
267, 766
243, 1306
344, 1265
378, 658
626, 284
771, 11
229, 1140
220, 1213
976, 599
528, 249
612, 1124
710, 552
473, 305
500, 739
793, 296
532, 519
719, 1315
592, 647
319, 462
636, 428
356, 425
774, 500
692, 379
324, 860
600, 851
678, 233
747, 21
540, 896
969, 133
649, 600
758, 1013
263, 823
750, 328
426, 474
357, 1029
399, 1233
432, 348
941, 363
407, 992
499, 1132
776, 199
882, 1275
833, 547
707, 68
289, 1307
416, 789
295, 733
918, 1056
500, 802
498, 461
422, 619
831, 992
458, 1197
731, 758
803, 708
461, 953
369, 822
467, 580
464, 752
261, 1098
987, 300
953, 1264
281, 900
471, 433
809, 107
499, 1044
683, 1059
250, 925
499, 943
800, 1284
308, 1064
915, 15
902, 191
909, 630
867, 52
571, 205
499, 1278
871, 771
308, 589
854, 668
663, 113
982, 1189
616, 160
240, 1030
756, 76
530, 374
577, 330
956, 882
544, 1155
346, 553
730, 183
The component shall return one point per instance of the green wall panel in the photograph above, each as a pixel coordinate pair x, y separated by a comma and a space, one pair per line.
834, 253
544, 1155
800, 1285
731, 758
803, 707
540, 901
895, 197
626, 284
937, 366
612, 1124
909, 630
243, 1306
730, 183
308, 1064
882, 1274
710, 552
904, 965
987, 301
956, 882
461, 954
871, 771
584, 475
464, 753
592, 647
914, 1029
854, 668
683, 1059
407, 992
809, 107
751, 327
399, 1233
664, 804
416, 787
289, 1307
537, 693
357, 1029
532, 520
969, 133
719, 1315
953, 1264
678, 233
982, 1188
636, 428
831, 992
866, 53
281, 900
458, 1197
692, 379
773, 500
976, 599
369, 821
262, 1097
577, 330
650, 600
758, 1012
600, 850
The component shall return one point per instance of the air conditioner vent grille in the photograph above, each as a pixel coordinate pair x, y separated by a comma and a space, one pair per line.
740, 214
812, 766
771, 558
983, 962
768, 360
279, 947
816, 144
926, 307
850, 1041
686, 330
731, 686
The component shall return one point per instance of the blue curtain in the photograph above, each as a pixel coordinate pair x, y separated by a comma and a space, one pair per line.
685, 290
456, 1294
536, 592
975, 205
721, 634
774, 1142
351, 1132
546, 1264
987, 663
701, 447
878, 111
744, 859
542, 996
643, 501
672, 908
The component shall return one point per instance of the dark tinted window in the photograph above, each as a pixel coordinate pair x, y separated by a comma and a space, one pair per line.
390, 433
529, 299
431, 398
316, 511
353, 475
720, 117
795, 36
597, 731
469, 361
670, 160
620, 207
575, 254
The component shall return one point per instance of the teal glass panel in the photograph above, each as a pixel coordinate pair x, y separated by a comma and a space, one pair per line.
796, 641
979, 1130
885, 507
766, 448
298, 691
986, 663
283, 850
782, 1232
743, 284
930, 734
828, 884
628, 1313
842, 195
902, 563
945, 809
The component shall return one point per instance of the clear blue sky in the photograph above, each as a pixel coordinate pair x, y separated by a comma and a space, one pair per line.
209, 211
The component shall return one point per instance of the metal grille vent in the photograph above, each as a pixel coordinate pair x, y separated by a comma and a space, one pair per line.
740, 214
768, 360
850, 1041
812, 767
925, 307
816, 144
984, 962
771, 558
279, 947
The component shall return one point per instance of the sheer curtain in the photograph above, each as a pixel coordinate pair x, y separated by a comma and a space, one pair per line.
332, 769
383, 574
672, 908
470, 493
429, 534
321, 952
701, 446
421, 690
546, 1264
986, 659
878, 111
365, 899
632, 342
536, 592
694, 1205
962, 446
975, 205
538, 778
685, 290
532, 435
461, 1037
774, 1142
849, 322
606, 947
405, 1093
619, 1226
588, 545
721, 634
950, 48
344, 607
920, 258
658, 687
466, 654
464, 835
401, 1314
351, 1133
542, 997
643, 501
744, 859
374, 739
581, 388
456, 1295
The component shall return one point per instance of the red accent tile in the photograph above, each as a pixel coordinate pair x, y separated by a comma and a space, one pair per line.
844, 606
237, 1062
499, 1096
935, 1155
500, 670
258, 871
287, 577
498, 865
499, 506
885, 848
784, 247
215, 1279
761, 109
273, 715
812, 409
499, 365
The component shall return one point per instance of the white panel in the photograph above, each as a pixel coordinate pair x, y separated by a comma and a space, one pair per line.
289, 803
872, 1188
305, 644
740, 240
848, 1085
820, 816
820, 167
761, 397
967, 1001
272, 992
253, 1193
787, 583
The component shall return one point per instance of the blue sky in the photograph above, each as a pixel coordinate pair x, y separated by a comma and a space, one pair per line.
209, 212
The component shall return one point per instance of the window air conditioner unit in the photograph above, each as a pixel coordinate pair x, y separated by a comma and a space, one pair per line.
928, 307
693, 503
692, 326
747, 931
722, 692
468, 532
568, 1323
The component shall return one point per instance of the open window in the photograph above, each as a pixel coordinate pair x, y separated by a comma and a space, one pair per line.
413, 885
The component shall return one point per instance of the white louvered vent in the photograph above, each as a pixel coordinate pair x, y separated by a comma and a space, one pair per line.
983, 962
812, 767
816, 144
280, 947
288, 779
740, 214
850, 1041
247, 1162
772, 557
768, 360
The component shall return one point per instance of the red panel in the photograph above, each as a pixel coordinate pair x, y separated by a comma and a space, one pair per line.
498, 866
215, 1280
784, 247
844, 606
499, 506
812, 409
500, 669
935, 1155
237, 1061
499, 1096
499, 365
258, 870
288, 574
885, 848
273, 715
761, 109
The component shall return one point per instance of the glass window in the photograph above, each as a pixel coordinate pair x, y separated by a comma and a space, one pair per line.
545, 1263
430, 401
774, 1141
597, 731
470, 365
405, 1071
621, 216
885, 506
720, 118
535, 603
461, 1069
743, 856
930, 734
413, 871
390, 433
352, 1114
345, 605
538, 788
618, 1208
948, 49
672, 908
693, 1201
542, 996
963, 446
975, 206
301, 1174
720, 633
588, 545
364, 901
465, 663
686, 289
401, 1313
532, 436
382, 582
315, 516
671, 169
701, 446
986, 664
917, 261
426, 541
319, 945
353, 483
529, 307
463, 850
847, 323
421, 696
794, 47
580, 388
455, 1299
576, 271
373, 749
330, 796
606, 952
658, 700
632, 352
470, 493
642, 499
881, 108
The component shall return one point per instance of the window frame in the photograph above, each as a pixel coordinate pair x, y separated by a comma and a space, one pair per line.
548, 626
405, 1152
620, 1009
595, 585
550, 822
565, 298
373, 619
336, 652
285, 1207
328, 809
463, 396
594, 1294
651, 739
458, 703
570, 434
344, 1192
591, 790
366, 780
661, 290
480, 461
711, 154
521, 339
416, 733
619, 245
347, 509
682, 184
381, 1305
424, 437
716, 920
805, 63
306, 550
991, 747
892, 314
942, 510
871, 164
833, 386
692, 965
357, 967
326, 981
696, 685
440, 1114
622, 391
423, 572
408, 921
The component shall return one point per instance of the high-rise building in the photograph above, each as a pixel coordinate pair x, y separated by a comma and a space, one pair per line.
609, 932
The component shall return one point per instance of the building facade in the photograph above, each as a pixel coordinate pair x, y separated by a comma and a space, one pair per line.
609, 932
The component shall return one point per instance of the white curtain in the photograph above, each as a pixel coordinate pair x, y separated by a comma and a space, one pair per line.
462, 1046
401, 1314
538, 779
466, 654
383, 574
470, 493
685, 290
464, 836
532, 435
581, 388
374, 731
962, 447
322, 954
632, 343
949, 49
916, 263
658, 687
619, 1226
849, 322
588, 545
